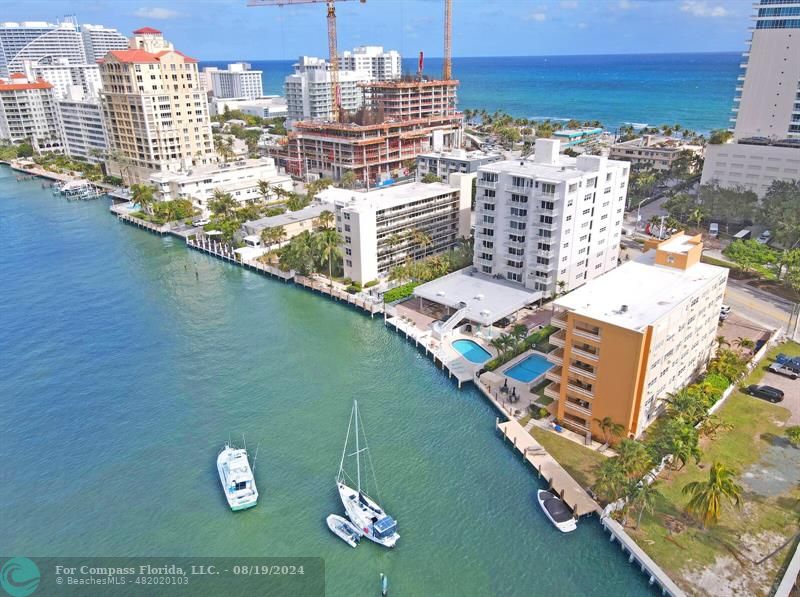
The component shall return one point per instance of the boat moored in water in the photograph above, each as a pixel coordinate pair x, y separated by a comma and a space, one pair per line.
556, 510
237, 478
362, 510
344, 529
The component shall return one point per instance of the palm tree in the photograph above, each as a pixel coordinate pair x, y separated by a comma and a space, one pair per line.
609, 427
501, 343
643, 498
421, 239
325, 219
722, 341
327, 243
519, 332
349, 179
273, 235
143, 195
609, 479
706, 497
265, 190
744, 344
697, 216
223, 204
634, 458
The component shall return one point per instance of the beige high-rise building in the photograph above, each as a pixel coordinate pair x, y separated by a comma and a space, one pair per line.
155, 111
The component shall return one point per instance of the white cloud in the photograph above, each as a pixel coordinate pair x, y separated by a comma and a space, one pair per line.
626, 5
536, 16
582, 25
701, 8
156, 13
569, 4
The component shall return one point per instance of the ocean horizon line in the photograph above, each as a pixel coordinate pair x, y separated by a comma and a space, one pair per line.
413, 56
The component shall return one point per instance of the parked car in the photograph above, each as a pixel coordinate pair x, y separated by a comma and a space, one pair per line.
785, 370
764, 237
759, 345
713, 229
201, 222
787, 360
765, 393
724, 309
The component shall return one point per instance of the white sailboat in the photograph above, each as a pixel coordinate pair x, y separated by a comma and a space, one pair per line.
363, 511
237, 478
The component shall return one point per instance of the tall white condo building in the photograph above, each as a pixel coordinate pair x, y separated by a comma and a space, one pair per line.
550, 222
766, 142
238, 80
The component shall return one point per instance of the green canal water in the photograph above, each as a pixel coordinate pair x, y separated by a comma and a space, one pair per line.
127, 361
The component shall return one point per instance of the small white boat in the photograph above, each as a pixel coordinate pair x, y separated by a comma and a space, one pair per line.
556, 510
237, 478
363, 511
342, 528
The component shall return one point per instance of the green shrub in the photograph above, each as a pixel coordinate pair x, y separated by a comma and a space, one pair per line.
371, 283
718, 381
347, 281
353, 289
401, 292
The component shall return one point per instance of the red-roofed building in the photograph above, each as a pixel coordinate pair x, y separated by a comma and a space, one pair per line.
155, 111
28, 112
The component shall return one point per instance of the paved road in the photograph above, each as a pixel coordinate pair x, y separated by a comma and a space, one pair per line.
758, 306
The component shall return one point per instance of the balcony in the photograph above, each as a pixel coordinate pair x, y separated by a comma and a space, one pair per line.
518, 190
553, 391
585, 371
575, 424
545, 253
559, 320
546, 225
486, 184
579, 390
558, 339
553, 375
586, 333
577, 408
556, 356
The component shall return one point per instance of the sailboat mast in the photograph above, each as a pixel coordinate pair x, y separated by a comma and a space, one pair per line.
358, 454
344, 450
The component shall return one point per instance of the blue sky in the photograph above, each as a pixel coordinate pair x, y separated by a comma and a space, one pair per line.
228, 29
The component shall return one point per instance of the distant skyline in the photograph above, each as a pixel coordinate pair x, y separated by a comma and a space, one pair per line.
229, 30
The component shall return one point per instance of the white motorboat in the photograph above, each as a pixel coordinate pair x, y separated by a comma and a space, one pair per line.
237, 478
556, 510
344, 529
362, 510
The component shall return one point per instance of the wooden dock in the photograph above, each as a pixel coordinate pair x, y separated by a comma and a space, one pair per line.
557, 478
123, 215
339, 295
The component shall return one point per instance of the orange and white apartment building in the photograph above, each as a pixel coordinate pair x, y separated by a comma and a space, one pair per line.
630, 337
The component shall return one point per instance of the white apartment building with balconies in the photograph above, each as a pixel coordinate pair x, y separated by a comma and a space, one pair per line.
378, 226
377, 63
99, 41
238, 80
551, 222
766, 131
309, 93
82, 127
28, 112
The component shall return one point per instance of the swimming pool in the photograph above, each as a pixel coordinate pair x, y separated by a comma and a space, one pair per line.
472, 351
529, 369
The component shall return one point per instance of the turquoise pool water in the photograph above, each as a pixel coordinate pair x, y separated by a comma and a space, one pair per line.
472, 351
529, 368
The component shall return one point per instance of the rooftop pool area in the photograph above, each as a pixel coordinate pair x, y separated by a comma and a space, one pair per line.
530, 368
472, 351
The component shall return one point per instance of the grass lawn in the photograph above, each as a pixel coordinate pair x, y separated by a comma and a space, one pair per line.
726, 553
578, 461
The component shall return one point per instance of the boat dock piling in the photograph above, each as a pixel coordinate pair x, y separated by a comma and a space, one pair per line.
557, 478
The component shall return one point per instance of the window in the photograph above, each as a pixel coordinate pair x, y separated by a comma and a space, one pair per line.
548, 188
347, 227
513, 276
517, 225
520, 213
486, 269
488, 219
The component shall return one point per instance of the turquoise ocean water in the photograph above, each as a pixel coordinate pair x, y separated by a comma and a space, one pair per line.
122, 372
695, 90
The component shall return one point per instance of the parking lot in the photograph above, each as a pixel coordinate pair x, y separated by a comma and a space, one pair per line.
791, 390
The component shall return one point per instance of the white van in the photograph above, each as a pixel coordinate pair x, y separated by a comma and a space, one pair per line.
713, 229
252, 240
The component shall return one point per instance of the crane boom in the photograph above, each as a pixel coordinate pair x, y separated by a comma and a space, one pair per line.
448, 32
336, 93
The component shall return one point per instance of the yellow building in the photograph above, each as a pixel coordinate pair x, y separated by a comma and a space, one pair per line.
156, 114
630, 337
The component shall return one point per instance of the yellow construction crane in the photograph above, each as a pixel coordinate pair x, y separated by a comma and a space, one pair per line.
336, 94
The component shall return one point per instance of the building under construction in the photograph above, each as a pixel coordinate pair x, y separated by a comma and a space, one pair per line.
400, 120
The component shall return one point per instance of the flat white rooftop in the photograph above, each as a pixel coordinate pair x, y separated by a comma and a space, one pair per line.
203, 171
383, 198
649, 291
487, 299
